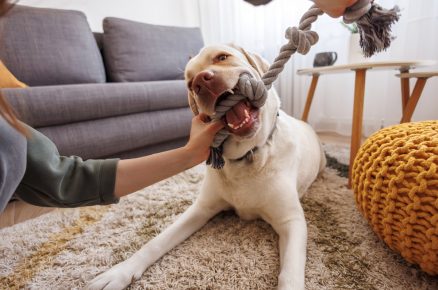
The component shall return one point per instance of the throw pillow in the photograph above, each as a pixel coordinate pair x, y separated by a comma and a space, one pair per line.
7, 79
135, 51
45, 46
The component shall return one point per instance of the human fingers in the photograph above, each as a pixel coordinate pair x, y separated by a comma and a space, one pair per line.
204, 117
215, 126
335, 13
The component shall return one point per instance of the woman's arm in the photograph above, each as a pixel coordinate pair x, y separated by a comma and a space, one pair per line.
137, 173
334, 8
68, 181
64, 181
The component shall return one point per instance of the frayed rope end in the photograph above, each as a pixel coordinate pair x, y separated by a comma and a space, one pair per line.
215, 158
375, 29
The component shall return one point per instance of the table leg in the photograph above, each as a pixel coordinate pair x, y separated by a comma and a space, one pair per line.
405, 89
310, 95
413, 100
356, 133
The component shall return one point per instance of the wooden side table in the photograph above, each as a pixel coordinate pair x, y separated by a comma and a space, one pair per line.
409, 102
360, 70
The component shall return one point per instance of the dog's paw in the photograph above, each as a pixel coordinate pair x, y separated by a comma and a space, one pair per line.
116, 278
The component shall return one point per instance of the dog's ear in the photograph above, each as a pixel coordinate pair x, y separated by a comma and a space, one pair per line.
192, 103
260, 64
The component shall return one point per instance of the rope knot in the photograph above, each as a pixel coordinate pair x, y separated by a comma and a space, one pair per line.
355, 12
301, 40
254, 89
247, 88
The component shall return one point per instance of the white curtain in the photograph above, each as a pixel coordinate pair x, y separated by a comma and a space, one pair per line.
261, 29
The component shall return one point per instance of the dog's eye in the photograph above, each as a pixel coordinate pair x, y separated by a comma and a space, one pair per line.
221, 57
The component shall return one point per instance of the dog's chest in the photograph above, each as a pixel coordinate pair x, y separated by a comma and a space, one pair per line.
247, 186
248, 192
248, 203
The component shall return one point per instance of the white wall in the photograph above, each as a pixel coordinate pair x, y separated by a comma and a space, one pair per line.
163, 12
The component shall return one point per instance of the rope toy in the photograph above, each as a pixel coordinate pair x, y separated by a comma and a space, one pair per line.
374, 23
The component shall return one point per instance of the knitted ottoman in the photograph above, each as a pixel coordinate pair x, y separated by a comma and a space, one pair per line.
395, 183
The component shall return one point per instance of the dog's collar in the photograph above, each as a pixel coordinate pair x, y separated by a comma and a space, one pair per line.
249, 156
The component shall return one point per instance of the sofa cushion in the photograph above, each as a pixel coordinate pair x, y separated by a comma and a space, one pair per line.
137, 51
75, 103
50, 46
110, 136
151, 149
7, 79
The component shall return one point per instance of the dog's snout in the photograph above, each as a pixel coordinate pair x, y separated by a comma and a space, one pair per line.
203, 79
207, 75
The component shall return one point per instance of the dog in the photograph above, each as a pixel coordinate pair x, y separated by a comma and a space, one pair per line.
270, 161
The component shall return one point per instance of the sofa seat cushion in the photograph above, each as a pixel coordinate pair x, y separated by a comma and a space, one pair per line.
57, 105
108, 137
151, 149
137, 51
44, 46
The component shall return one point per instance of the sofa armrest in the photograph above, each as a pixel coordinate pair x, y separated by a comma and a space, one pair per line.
65, 104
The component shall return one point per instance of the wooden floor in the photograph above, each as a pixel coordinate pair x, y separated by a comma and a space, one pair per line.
333, 138
19, 211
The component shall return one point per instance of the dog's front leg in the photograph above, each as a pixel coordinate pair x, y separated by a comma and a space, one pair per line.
121, 275
293, 242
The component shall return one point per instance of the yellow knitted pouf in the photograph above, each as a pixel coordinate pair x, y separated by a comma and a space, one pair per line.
395, 183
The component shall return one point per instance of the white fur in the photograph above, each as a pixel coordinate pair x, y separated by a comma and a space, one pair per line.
270, 187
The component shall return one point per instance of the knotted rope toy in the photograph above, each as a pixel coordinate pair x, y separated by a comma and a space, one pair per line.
374, 23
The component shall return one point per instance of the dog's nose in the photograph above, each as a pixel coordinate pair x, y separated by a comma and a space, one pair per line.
203, 79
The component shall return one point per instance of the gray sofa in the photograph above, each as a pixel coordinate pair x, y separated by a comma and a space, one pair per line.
114, 94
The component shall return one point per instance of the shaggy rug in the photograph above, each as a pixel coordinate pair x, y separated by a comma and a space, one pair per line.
66, 248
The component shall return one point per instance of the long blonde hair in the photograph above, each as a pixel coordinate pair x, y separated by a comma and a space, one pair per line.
6, 110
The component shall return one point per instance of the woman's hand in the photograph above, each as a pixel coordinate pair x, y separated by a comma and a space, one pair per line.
136, 173
201, 137
334, 8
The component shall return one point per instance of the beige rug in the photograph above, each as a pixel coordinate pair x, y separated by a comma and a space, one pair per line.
66, 248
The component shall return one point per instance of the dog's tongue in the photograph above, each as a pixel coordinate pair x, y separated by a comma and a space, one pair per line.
237, 114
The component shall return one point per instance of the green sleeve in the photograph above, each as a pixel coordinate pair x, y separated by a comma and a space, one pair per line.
60, 181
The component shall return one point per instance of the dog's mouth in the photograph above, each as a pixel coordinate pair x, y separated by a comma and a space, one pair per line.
241, 118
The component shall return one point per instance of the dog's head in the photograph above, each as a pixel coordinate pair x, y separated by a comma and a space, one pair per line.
212, 75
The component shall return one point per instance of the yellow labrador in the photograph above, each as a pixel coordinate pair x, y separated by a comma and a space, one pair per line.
270, 161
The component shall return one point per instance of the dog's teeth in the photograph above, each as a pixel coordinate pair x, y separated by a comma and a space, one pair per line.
243, 123
230, 91
246, 114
